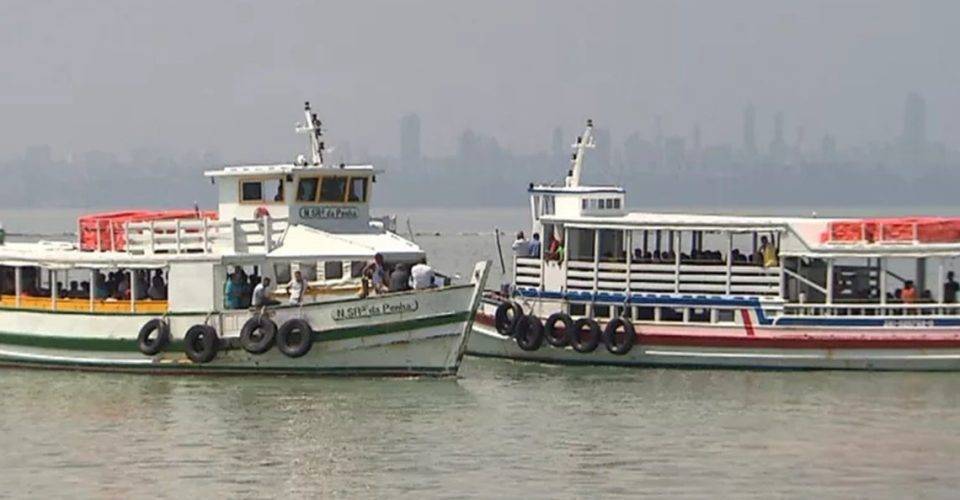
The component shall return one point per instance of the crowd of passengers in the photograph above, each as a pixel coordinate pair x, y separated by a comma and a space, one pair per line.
766, 254
115, 285
242, 291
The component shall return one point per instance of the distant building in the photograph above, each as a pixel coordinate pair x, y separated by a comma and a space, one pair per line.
410, 141
914, 139
674, 153
778, 146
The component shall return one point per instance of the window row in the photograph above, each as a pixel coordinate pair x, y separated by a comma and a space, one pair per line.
333, 189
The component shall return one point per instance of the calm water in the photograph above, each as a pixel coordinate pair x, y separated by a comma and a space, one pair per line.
501, 429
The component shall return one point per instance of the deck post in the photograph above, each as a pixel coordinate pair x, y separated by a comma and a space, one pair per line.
940, 278
829, 298
596, 261
113, 240
153, 242
729, 260
133, 289
882, 262
177, 232
93, 287
17, 284
204, 237
629, 259
268, 237
676, 261
52, 273
99, 237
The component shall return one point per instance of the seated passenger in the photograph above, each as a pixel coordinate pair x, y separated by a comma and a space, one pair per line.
421, 276
376, 272
950, 289
909, 294
262, 296
400, 278
85, 289
232, 291
157, 290
74, 291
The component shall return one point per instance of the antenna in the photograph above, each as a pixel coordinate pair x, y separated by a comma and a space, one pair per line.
583, 142
314, 132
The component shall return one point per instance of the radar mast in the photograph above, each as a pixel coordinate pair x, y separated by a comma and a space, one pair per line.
576, 163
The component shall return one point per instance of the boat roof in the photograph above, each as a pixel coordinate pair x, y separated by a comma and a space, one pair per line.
299, 243
287, 168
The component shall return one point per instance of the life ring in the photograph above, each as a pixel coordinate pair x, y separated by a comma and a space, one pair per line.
529, 332
610, 336
585, 335
258, 334
149, 344
506, 317
261, 212
201, 343
295, 338
555, 336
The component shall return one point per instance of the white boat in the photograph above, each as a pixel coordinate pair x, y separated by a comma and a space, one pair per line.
167, 307
708, 290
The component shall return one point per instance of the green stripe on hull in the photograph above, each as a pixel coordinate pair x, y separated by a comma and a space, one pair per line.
130, 345
191, 368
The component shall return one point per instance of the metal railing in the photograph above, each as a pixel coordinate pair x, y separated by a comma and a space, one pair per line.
204, 235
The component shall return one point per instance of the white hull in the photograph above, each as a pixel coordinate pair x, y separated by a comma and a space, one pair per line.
485, 341
413, 333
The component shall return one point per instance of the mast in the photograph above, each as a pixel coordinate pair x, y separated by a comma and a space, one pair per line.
576, 164
315, 133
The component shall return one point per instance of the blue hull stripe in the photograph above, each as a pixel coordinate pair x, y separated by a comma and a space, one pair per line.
652, 299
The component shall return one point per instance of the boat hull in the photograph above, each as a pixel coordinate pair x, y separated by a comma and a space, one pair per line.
689, 347
404, 334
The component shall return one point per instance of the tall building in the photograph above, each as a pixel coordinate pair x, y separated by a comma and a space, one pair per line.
410, 140
749, 131
778, 146
914, 140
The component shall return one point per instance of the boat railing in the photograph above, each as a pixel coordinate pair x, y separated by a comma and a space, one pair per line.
204, 235
896, 310
527, 271
706, 278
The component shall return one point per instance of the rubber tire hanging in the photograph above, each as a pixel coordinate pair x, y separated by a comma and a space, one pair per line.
593, 335
610, 336
506, 317
258, 334
201, 343
151, 346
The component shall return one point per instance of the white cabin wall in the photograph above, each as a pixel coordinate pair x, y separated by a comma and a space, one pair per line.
193, 286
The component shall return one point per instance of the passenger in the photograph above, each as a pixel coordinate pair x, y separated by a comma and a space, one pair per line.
768, 253
262, 296
85, 289
950, 289
521, 247
158, 279
555, 249
561, 251
279, 195
157, 290
100, 289
909, 294
123, 287
534, 250
400, 279
74, 291
377, 274
421, 276
297, 288
232, 290
143, 285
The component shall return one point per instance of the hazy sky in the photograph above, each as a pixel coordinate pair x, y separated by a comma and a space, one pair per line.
231, 76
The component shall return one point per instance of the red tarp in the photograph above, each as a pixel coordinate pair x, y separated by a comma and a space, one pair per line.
894, 229
109, 226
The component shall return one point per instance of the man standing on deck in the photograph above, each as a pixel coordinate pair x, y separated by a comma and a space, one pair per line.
297, 289
534, 246
261, 294
521, 247
950, 289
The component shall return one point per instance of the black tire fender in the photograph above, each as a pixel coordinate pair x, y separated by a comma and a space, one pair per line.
506, 317
554, 336
201, 343
610, 336
529, 333
295, 338
152, 345
585, 335
258, 334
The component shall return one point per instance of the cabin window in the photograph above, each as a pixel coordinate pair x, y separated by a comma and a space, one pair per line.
308, 271
273, 189
307, 189
333, 189
356, 268
601, 311
251, 191
725, 316
578, 310
616, 203
548, 205
580, 244
333, 270
584, 204
281, 272
358, 189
